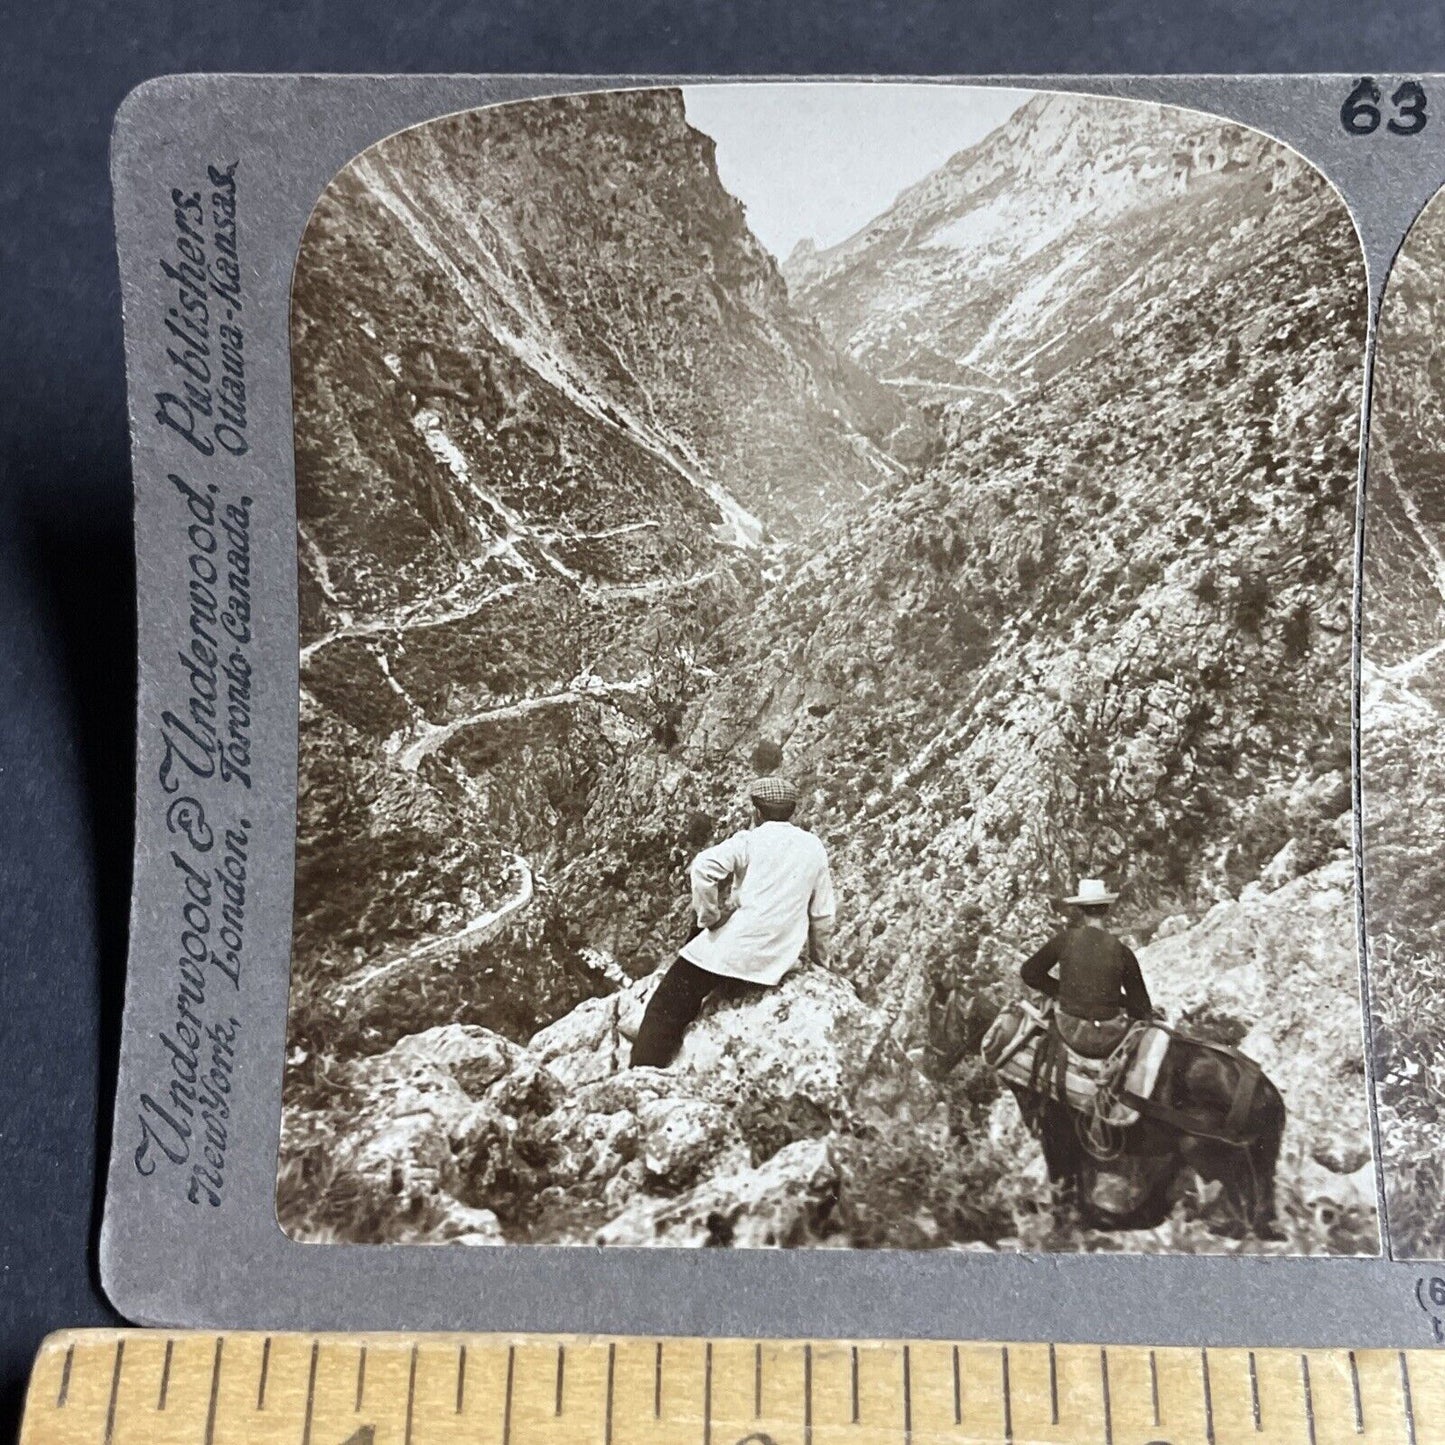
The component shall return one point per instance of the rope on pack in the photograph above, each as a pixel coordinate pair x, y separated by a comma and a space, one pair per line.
1098, 1131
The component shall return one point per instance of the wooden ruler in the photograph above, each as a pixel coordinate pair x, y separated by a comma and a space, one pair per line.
148, 1387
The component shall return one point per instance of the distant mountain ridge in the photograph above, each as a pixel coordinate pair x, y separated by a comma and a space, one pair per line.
956, 293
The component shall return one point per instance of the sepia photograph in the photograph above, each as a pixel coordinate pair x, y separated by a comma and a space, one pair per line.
825, 681
1402, 713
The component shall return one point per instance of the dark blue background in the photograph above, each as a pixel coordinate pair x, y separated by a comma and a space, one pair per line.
66, 600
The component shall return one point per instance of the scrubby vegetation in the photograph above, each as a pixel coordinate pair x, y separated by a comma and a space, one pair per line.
597, 518
1402, 717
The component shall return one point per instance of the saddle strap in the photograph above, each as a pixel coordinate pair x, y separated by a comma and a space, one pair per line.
1249, 1075
1059, 1085
1020, 1041
1185, 1123
1039, 1069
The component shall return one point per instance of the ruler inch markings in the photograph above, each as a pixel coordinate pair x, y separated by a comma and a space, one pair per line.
165, 1375
1108, 1401
64, 1395
1408, 1395
808, 1394
411, 1395
611, 1380
1008, 1407
1309, 1393
1355, 1393
1208, 1396
95, 1390
310, 1393
907, 1396
215, 1390
507, 1404
115, 1391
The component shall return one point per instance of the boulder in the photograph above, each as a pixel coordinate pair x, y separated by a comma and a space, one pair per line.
450, 1057
1168, 927
438, 1110
729, 1143
810, 1041
785, 1200
1276, 973
1280, 869
585, 1146
593, 1040
462, 1224
681, 1136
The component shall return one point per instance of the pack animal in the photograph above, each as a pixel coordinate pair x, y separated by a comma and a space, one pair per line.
1213, 1113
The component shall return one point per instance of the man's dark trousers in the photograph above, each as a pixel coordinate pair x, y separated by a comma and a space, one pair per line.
673, 1006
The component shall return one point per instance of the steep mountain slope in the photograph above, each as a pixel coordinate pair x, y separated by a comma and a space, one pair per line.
1402, 722
1100, 626
1021, 254
1103, 630
547, 383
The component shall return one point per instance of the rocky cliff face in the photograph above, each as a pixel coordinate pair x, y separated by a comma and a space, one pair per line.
551, 402
1097, 624
1402, 715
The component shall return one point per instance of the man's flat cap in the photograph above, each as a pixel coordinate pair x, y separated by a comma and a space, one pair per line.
772, 790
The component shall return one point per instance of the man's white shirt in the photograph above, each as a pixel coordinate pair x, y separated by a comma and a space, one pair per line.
780, 881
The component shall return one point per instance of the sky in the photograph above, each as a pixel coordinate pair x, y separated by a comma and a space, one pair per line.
821, 160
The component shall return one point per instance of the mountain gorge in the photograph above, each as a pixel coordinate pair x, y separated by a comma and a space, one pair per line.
1019, 525
530, 345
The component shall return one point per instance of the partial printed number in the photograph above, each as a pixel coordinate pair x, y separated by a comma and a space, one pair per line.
1361, 113
1430, 1296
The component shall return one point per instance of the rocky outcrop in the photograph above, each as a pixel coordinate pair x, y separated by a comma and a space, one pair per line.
1276, 974
559, 1141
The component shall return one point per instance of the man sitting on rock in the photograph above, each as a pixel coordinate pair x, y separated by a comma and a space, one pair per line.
1099, 987
781, 901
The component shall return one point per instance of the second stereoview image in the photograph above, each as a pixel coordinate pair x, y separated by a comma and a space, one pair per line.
825, 648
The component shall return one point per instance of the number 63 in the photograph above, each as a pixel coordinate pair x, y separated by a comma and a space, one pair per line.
1360, 114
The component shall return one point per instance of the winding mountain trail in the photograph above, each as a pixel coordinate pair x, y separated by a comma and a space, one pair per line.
436, 735
415, 615
352, 992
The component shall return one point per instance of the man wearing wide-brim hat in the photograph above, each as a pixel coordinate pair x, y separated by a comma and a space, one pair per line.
781, 904
1093, 976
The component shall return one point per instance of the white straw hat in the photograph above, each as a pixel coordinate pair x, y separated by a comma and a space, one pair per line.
1092, 890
